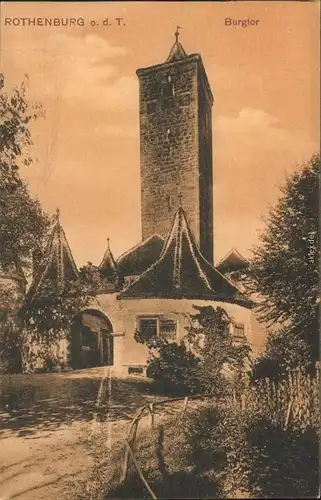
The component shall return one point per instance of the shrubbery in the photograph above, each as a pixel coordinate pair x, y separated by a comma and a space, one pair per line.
195, 365
255, 451
175, 369
284, 351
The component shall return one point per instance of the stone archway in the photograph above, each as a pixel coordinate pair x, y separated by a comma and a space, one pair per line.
91, 340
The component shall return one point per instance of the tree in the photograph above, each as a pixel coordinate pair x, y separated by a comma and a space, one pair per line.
284, 268
47, 317
15, 116
212, 341
22, 221
284, 350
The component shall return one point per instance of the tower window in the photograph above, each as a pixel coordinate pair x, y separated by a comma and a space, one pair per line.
168, 90
168, 103
185, 100
151, 107
169, 202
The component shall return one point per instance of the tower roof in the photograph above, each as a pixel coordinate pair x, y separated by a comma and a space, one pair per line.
108, 265
139, 258
233, 261
182, 272
57, 264
177, 52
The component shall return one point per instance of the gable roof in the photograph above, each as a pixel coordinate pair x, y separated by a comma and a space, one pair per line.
108, 265
139, 258
233, 261
182, 272
57, 263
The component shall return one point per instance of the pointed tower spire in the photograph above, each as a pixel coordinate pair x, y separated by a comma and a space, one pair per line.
177, 52
56, 265
108, 265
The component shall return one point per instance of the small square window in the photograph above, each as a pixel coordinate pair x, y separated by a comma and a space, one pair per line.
151, 107
168, 90
168, 328
168, 103
185, 100
238, 332
148, 327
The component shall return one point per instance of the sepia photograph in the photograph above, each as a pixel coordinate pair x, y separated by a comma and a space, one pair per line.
159, 250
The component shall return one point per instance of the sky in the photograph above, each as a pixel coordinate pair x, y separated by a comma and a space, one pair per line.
265, 81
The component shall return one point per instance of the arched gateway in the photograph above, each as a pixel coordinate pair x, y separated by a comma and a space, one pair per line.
91, 340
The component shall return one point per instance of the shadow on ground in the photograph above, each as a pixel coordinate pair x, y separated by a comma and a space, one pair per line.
30, 403
178, 485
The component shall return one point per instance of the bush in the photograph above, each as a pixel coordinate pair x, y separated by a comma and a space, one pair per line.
282, 462
284, 350
174, 369
250, 453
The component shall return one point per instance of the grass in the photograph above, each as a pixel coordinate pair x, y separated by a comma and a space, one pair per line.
164, 458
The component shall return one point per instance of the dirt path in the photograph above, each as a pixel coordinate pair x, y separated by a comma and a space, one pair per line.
53, 457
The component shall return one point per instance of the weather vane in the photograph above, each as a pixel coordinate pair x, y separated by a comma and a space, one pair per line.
177, 32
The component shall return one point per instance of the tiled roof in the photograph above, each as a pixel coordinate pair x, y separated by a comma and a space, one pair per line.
182, 272
233, 261
57, 264
139, 258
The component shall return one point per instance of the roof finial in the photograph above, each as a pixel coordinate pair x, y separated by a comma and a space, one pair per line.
177, 33
108, 243
180, 196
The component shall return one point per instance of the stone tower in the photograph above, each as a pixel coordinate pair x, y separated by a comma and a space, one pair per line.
176, 146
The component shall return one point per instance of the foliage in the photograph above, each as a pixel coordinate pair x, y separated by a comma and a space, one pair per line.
90, 277
15, 138
174, 369
10, 328
284, 462
284, 267
22, 226
22, 221
258, 450
171, 365
211, 339
196, 363
284, 351
48, 316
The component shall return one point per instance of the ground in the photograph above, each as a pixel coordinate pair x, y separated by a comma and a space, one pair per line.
58, 430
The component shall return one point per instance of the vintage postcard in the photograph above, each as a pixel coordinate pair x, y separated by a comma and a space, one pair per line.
159, 245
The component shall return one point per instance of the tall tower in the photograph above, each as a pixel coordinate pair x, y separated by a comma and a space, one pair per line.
176, 146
